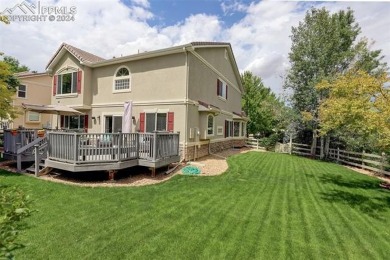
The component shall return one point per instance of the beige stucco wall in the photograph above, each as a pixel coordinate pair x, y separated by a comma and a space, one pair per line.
97, 125
161, 78
219, 59
203, 87
38, 91
68, 63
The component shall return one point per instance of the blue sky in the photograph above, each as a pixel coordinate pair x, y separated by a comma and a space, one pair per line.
257, 30
170, 12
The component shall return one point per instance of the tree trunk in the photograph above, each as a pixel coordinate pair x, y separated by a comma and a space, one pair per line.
327, 143
314, 144
322, 147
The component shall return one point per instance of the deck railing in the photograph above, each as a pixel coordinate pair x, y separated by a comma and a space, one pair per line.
15, 139
79, 148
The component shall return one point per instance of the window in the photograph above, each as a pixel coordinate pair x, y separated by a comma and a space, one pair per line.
122, 80
33, 116
222, 89
210, 125
113, 124
67, 83
236, 129
156, 122
22, 91
228, 128
73, 122
243, 129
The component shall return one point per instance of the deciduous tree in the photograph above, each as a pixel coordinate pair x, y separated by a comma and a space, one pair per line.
358, 105
324, 45
263, 108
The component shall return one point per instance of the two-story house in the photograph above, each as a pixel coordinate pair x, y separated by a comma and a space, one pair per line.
193, 88
34, 88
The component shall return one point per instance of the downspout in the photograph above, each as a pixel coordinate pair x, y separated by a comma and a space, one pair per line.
186, 104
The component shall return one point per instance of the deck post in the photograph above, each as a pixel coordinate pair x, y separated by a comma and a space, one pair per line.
111, 175
18, 158
137, 144
76, 147
120, 136
36, 157
154, 146
178, 142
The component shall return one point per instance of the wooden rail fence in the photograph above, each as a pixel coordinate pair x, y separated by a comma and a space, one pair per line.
367, 161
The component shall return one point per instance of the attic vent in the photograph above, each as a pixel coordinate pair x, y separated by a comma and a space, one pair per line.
226, 54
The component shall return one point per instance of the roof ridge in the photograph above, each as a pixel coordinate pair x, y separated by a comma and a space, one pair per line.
81, 54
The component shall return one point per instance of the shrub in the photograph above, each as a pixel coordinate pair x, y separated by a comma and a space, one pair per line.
270, 141
14, 208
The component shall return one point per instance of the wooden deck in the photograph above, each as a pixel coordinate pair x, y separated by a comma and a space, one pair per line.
77, 152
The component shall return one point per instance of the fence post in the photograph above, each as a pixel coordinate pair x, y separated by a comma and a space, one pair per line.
383, 162
290, 144
257, 144
338, 154
363, 159
36, 157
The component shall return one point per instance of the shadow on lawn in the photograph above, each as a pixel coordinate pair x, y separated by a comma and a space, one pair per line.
348, 183
351, 194
372, 206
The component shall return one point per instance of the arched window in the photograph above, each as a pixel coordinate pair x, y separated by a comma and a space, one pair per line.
210, 125
122, 80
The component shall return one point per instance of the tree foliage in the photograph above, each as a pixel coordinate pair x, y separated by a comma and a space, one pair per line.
264, 109
358, 105
325, 45
14, 64
7, 91
14, 208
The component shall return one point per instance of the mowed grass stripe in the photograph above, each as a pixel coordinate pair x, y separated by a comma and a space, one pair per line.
361, 221
266, 205
322, 225
250, 200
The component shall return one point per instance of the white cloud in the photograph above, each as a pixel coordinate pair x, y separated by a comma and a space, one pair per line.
199, 27
231, 6
260, 40
143, 3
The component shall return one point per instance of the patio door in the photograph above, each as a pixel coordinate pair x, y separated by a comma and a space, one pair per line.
113, 124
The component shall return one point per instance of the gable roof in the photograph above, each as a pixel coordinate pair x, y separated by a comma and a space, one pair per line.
92, 60
81, 55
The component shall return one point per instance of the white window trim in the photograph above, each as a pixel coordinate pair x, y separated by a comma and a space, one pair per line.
17, 92
28, 117
226, 86
64, 71
157, 111
219, 130
103, 119
207, 125
239, 128
123, 77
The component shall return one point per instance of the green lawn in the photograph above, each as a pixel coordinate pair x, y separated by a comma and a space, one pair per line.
266, 206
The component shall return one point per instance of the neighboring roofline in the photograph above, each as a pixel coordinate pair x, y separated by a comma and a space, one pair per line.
30, 74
